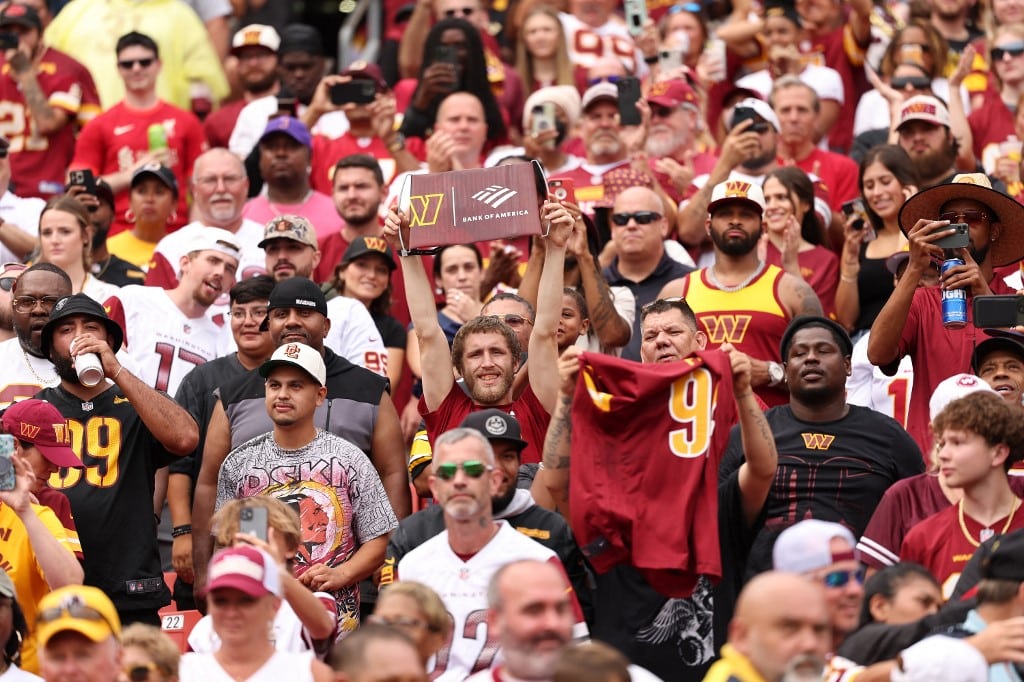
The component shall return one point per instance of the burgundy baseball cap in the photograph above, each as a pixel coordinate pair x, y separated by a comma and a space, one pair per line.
364, 70
673, 93
38, 422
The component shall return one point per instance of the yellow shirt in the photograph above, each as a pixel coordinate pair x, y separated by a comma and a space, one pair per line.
134, 250
732, 667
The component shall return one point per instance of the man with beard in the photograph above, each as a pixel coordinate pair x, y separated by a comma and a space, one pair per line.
781, 628
464, 480
345, 516
255, 47
910, 323
8, 276
167, 332
510, 503
739, 299
832, 455
672, 138
284, 158
124, 431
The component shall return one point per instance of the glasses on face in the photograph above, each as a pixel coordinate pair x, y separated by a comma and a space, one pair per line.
1014, 49
211, 181
837, 579
915, 82
26, 304
472, 468
604, 79
400, 622
662, 112
459, 12
140, 672
257, 314
129, 64
641, 218
513, 320
970, 215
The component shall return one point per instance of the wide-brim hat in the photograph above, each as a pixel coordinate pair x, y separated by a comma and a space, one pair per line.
1009, 245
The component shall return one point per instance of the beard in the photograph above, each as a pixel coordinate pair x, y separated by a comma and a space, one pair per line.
526, 662
933, 164
663, 144
490, 395
605, 146
462, 509
759, 161
65, 369
979, 255
804, 668
500, 504
354, 218
735, 247
261, 84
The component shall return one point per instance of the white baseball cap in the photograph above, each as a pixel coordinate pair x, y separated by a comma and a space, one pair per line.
737, 190
924, 108
940, 659
805, 546
299, 355
259, 35
762, 108
215, 239
953, 388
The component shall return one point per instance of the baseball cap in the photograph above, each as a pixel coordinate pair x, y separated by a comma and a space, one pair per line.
300, 38
215, 239
805, 547
618, 180
105, 192
1007, 341
298, 355
361, 246
77, 608
80, 304
940, 659
495, 424
255, 35
737, 190
246, 569
598, 92
295, 292
20, 15
762, 109
289, 226
38, 422
1005, 558
673, 93
6, 585
566, 97
801, 321
290, 126
364, 70
953, 388
924, 108
158, 171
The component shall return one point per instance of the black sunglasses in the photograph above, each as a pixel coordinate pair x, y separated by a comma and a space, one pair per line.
641, 218
465, 11
127, 64
916, 82
1013, 49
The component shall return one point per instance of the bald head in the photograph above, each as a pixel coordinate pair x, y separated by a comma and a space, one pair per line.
639, 198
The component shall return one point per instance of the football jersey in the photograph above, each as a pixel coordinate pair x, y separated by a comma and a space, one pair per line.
588, 183
752, 319
22, 374
819, 267
588, 44
462, 586
648, 432
868, 386
327, 151
354, 335
163, 343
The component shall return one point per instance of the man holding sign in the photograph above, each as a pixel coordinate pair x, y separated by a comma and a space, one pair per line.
486, 351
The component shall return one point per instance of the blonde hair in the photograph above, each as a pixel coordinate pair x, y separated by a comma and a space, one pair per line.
428, 602
158, 646
524, 60
281, 517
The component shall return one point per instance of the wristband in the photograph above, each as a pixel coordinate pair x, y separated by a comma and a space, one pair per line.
402, 253
178, 531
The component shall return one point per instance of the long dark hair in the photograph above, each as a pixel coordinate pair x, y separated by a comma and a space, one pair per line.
799, 185
896, 161
379, 306
19, 630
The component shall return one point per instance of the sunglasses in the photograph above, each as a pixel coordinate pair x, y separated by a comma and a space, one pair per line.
605, 79
837, 579
128, 64
465, 12
26, 304
915, 82
971, 215
647, 306
400, 622
1015, 49
513, 320
141, 672
472, 468
691, 7
73, 608
641, 218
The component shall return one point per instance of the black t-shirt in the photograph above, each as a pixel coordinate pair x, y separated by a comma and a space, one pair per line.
392, 333
833, 471
112, 497
677, 639
119, 272
874, 285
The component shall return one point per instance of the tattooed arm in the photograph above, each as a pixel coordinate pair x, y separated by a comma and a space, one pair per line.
551, 486
612, 331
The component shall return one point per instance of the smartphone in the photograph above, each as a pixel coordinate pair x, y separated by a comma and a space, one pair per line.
85, 178
354, 92
543, 118
629, 95
286, 105
998, 311
7, 475
636, 16
670, 60
8, 40
564, 189
253, 520
855, 207
740, 114
960, 239
446, 54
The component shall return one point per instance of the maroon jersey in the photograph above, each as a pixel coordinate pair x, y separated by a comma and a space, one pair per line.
116, 139
820, 268
838, 49
218, 125
656, 433
39, 162
588, 181
327, 152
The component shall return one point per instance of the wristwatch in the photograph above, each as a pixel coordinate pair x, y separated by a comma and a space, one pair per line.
397, 144
776, 374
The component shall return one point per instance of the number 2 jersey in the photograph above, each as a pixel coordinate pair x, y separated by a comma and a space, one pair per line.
647, 441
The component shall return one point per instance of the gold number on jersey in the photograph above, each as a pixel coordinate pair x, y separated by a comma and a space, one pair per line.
98, 443
20, 129
690, 404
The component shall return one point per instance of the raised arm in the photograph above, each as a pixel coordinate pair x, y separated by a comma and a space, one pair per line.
551, 485
611, 329
543, 343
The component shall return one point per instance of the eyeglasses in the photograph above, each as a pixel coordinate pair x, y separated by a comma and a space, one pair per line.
257, 314
970, 215
915, 82
472, 468
400, 622
662, 112
463, 11
1014, 49
604, 79
73, 608
211, 181
836, 579
26, 304
140, 672
128, 64
641, 218
512, 320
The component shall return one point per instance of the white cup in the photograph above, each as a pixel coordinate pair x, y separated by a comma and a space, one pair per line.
88, 367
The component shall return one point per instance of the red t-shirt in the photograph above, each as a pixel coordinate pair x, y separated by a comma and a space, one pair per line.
327, 152
839, 50
839, 173
820, 268
990, 124
117, 138
218, 125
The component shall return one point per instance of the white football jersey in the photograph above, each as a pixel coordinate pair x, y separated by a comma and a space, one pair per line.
869, 387
354, 335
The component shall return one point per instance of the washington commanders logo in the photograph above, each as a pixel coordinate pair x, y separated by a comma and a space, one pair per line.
424, 209
726, 328
817, 441
29, 431
375, 244
292, 351
737, 188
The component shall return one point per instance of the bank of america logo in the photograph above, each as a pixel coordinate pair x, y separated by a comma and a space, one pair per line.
495, 195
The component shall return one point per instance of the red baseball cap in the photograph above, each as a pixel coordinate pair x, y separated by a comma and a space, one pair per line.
41, 424
673, 93
246, 569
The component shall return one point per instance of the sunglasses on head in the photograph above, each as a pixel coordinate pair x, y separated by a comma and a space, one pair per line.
472, 468
836, 579
605, 79
1015, 49
970, 215
916, 82
691, 7
127, 64
512, 320
73, 608
641, 218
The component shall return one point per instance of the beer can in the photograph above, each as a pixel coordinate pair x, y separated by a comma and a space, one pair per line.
954, 301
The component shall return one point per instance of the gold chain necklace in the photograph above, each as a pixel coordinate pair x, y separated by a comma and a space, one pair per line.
46, 383
986, 533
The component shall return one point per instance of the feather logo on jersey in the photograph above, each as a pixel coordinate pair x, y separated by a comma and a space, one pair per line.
602, 400
726, 328
818, 441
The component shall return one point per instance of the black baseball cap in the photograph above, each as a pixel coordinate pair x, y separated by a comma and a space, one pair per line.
80, 304
158, 171
295, 292
1008, 341
802, 321
361, 246
104, 192
495, 424
1005, 561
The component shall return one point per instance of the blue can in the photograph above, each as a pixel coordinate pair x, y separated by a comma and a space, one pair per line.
954, 301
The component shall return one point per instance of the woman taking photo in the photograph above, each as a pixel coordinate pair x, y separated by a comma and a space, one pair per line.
887, 178
152, 201
65, 240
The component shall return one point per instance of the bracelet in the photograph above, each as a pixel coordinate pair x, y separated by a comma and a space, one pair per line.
114, 378
178, 531
848, 280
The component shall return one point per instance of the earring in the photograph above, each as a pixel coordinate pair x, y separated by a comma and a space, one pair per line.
129, 216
